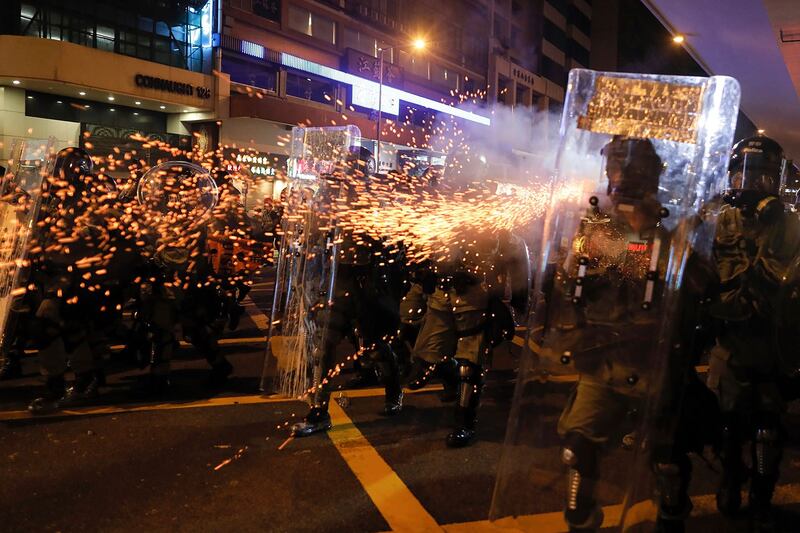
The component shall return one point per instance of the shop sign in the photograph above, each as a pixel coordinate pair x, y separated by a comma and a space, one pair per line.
259, 163
171, 86
367, 66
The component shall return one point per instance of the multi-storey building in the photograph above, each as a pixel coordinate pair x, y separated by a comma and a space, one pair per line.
319, 63
534, 45
95, 71
243, 72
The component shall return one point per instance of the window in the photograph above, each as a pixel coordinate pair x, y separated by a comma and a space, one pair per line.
310, 88
312, 24
300, 20
521, 98
503, 88
178, 37
579, 53
417, 116
500, 27
560, 5
554, 34
415, 65
475, 53
443, 76
358, 41
105, 38
323, 29
250, 73
553, 71
269, 9
579, 20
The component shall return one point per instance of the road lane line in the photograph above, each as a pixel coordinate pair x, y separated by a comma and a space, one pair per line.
232, 341
398, 505
259, 319
221, 401
140, 407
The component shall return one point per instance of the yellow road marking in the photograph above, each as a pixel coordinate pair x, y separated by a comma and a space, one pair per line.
233, 341
259, 319
399, 507
139, 407
221, 401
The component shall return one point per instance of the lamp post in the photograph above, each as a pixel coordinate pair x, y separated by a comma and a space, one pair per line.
418, 44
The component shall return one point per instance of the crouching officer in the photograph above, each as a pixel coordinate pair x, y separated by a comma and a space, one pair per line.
466, 317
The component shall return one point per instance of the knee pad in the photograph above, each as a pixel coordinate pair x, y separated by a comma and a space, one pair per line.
471, 380
767, 451
579, 453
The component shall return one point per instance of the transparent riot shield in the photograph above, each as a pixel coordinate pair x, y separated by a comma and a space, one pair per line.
176, 197
306, 266
638, 158
28, 166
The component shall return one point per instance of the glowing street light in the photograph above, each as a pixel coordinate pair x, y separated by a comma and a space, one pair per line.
419, 43
678, 39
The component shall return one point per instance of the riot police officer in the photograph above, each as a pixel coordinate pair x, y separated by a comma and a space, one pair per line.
604, 319
66, 278
362, 304
464, 309
177, 199
756, 248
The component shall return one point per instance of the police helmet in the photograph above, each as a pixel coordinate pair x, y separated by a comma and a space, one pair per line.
633, 168
72, 164
757, 164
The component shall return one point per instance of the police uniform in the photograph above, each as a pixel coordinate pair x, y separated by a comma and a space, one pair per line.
746, 366
457, 323
756, 251
362, 305
75, 249
603, 311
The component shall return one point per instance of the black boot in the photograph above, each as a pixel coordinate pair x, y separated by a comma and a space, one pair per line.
220, 370
56, 387
11, 367
447, 372
235, 316
421, 372
471, 383
154, 384
83, 390
366, 375
315, 421
729, 493
581, 512
389, 371
672, 478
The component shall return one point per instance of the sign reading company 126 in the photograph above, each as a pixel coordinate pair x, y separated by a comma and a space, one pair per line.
150, 82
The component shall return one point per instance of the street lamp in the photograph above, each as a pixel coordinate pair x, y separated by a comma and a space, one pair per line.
418, 44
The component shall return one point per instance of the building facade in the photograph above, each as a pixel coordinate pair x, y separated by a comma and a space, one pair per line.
244, 72
319, 63
97, 71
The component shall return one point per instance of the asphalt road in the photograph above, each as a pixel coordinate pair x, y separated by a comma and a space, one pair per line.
219, 460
